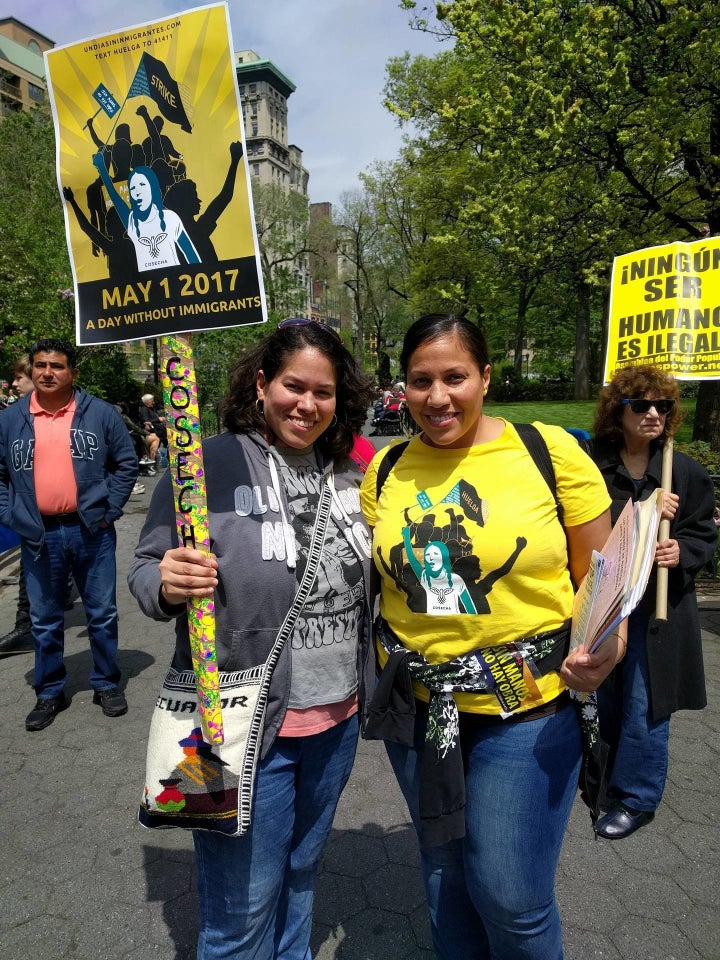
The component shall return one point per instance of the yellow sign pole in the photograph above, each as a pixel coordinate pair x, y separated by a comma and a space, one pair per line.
188, 478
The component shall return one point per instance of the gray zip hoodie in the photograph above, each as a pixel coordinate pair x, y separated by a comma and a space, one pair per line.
254, 546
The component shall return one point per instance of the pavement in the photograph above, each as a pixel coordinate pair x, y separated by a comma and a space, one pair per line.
81, 880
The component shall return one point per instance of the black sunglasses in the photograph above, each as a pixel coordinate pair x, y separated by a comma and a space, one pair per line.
641, 405
304, 322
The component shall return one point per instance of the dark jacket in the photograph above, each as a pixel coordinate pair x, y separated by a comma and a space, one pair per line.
256, 585
674, 648
103, 457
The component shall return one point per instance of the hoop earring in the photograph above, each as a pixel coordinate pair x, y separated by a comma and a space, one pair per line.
260, 407
333, 422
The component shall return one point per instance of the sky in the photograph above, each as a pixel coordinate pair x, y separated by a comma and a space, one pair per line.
334, 51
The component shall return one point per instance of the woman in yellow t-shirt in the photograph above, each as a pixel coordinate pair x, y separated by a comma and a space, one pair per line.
476, 594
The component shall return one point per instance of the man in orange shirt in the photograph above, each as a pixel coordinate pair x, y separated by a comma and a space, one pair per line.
67, 468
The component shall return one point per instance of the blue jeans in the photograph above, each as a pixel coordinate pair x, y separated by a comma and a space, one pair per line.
491, 895
256, 891
638, 744
69, 546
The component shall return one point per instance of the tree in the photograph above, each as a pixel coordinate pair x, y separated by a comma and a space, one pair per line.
281, 223
371, 274
35, 276
616, 96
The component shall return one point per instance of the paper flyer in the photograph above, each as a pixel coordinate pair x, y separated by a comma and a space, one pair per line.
618, 575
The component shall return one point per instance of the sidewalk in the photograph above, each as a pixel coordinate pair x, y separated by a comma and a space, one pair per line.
80, 880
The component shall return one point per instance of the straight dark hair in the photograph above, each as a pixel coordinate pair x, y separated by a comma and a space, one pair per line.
54, 345
432, 326
353, 390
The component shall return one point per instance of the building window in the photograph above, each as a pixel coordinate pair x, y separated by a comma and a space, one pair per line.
36, 93
242, 89
256, 169
254, 129
253, 88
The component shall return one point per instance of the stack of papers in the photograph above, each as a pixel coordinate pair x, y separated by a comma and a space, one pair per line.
618, 575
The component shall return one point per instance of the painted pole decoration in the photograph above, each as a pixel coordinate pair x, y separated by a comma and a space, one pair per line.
188, 476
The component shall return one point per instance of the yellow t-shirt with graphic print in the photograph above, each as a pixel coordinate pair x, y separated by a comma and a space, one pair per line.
470, 551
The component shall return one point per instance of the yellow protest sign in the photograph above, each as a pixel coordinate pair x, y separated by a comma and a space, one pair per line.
665, 310
151, 166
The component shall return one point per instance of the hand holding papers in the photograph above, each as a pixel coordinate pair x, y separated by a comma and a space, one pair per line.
618, 575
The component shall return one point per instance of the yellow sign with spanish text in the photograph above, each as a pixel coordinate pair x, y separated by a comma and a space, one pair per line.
665, 310
156, 187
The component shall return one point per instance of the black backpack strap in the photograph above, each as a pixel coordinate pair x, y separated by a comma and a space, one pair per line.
538, 450
386, 465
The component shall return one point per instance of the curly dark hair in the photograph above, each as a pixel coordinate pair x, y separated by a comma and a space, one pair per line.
353, 395
630, 382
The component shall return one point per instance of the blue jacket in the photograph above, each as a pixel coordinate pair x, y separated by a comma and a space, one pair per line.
103, 458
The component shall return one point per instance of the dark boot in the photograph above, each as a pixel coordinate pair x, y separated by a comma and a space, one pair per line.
19, 640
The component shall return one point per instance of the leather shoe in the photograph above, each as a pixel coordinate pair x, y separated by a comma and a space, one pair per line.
45, 711
112, 701
18, 640
621, 822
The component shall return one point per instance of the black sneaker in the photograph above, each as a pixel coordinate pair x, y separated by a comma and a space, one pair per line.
45, 711
112, 701
18, 640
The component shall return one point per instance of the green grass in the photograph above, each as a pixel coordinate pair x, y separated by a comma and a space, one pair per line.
573, 413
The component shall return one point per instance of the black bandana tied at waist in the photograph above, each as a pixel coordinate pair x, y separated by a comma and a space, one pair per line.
507, 670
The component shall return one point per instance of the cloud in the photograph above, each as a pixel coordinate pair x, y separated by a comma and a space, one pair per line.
335, 51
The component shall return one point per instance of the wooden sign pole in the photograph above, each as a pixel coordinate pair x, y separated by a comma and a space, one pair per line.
664, 533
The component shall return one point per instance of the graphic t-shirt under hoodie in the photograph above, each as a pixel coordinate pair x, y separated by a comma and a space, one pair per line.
258, 572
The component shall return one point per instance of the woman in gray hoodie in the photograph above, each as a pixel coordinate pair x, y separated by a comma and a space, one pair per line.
293, 407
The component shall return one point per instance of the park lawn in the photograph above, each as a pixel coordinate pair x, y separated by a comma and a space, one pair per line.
573, 413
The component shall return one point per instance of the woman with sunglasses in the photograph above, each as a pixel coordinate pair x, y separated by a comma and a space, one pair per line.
663, 669
294, 405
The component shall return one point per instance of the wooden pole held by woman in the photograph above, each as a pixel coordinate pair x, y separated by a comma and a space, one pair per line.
664, 533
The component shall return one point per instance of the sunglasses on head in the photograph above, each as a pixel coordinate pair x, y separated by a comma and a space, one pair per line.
304, 322
641, 405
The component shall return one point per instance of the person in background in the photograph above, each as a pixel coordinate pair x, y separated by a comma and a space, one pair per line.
145, 442
486, 745
663, 671
155, 423
393, 400
67, 468
294, 406
19, 639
